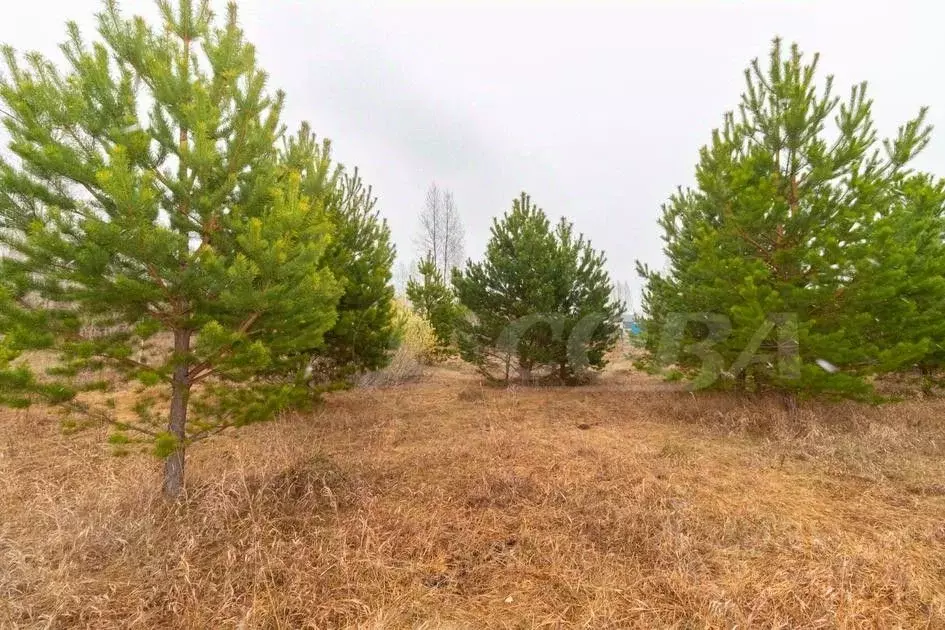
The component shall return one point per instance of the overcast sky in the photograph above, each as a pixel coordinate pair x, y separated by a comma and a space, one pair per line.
597, 109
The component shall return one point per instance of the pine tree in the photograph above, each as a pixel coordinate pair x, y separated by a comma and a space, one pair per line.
433, 300
360, 255
584, 294
769, 256
902, 284
149, 210
540, 300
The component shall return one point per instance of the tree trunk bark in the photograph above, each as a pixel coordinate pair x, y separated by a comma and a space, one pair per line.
180, 392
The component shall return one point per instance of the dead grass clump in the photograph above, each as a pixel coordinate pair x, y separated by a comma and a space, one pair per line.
845, 438
404, 367
502, 491
312, 489
474, 393
417, 349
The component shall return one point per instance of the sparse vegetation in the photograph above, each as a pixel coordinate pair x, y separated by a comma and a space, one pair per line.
175, 265
443, 503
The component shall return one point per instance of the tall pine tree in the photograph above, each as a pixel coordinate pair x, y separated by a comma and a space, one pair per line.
770, 256
146, 197
360, 255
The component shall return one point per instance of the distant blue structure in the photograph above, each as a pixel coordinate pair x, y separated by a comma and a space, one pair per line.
633, 327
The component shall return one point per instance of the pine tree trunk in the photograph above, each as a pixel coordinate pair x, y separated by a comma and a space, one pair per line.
180, 383
180, 392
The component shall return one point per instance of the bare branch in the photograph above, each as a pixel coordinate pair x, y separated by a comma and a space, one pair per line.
441, 232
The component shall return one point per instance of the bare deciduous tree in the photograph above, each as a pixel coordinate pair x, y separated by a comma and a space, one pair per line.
441, 231
624, 293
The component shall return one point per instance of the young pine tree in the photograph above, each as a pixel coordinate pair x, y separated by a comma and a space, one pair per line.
770, 256
160, 235
901, 285
433, 300
540, 300
360, 256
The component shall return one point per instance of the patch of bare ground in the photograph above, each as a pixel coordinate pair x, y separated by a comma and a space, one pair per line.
446, 503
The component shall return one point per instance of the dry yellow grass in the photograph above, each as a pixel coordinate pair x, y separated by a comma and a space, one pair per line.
446, 504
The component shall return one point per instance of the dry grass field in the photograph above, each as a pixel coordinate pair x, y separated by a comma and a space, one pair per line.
446, 504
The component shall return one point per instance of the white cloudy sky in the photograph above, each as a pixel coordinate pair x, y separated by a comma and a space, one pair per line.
597, 109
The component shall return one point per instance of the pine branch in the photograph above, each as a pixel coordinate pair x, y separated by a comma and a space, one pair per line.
203, 369
95, 414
